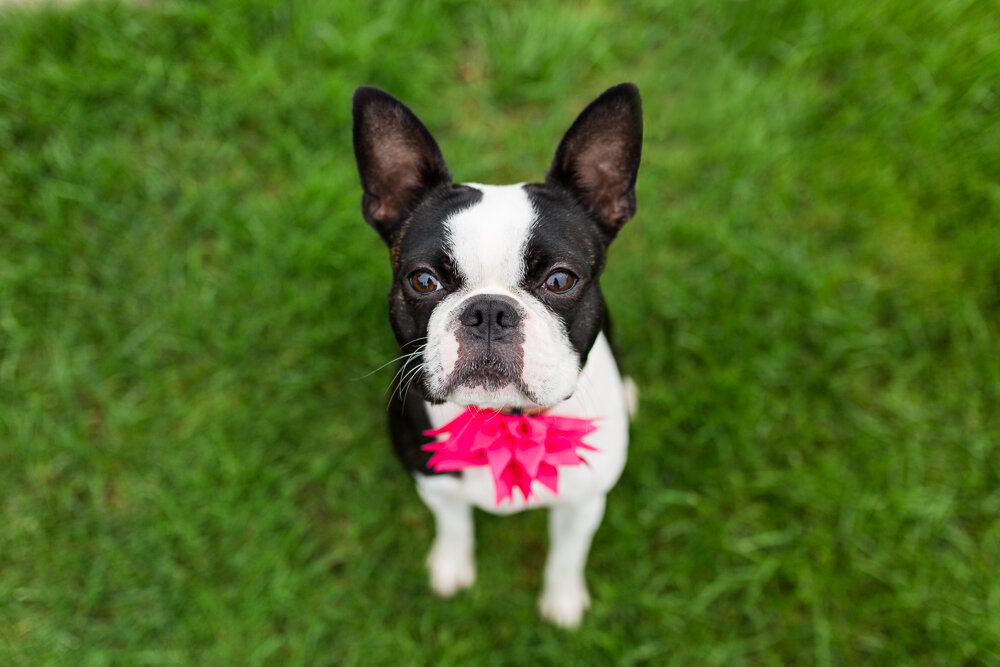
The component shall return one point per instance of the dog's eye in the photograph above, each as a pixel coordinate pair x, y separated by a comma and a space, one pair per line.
424, 282
560, 281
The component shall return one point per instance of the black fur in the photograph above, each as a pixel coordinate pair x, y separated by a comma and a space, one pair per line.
420, 243
567, 236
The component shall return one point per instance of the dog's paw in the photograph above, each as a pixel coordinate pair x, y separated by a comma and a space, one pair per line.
451, 571
565, 606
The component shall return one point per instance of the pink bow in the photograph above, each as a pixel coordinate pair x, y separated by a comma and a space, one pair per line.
518, 448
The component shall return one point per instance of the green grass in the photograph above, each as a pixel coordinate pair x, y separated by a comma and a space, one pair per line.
194, 469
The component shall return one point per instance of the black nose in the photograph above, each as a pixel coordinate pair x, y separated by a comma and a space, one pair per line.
490, 317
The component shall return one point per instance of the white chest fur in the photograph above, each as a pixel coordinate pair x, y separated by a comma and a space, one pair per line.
600, 395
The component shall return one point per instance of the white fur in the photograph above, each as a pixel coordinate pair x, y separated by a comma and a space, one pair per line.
487, 245
487, 240
576, 511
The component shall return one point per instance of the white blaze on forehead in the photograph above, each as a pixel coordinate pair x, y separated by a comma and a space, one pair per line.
488, 240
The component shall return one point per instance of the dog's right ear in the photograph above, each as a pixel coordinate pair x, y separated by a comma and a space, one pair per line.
398, 159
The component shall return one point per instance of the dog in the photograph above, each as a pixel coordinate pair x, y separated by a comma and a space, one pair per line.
498, 311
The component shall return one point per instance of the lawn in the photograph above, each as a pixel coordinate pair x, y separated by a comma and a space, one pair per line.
193, 462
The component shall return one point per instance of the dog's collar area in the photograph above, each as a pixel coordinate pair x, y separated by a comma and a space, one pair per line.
518, 449
521, 412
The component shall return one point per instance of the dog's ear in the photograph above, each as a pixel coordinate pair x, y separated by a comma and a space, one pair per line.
398, 159
598, 158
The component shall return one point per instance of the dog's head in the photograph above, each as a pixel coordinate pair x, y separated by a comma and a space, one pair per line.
495, 290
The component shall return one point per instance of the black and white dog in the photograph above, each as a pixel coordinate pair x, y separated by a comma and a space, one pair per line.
496, 303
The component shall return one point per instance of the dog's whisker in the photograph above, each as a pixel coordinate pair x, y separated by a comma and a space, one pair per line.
369, 374
413, 377
405, 381
402, 386
402, 367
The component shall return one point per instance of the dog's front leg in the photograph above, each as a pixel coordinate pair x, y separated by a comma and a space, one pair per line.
451, 561
571, 528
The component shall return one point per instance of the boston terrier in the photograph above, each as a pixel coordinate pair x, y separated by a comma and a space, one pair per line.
508, 396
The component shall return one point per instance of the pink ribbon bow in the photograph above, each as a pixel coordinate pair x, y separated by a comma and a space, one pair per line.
519, 449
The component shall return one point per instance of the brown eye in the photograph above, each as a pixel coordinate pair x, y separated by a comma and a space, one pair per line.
424, 282
560, 281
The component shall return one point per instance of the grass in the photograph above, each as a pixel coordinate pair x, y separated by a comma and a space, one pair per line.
194, 468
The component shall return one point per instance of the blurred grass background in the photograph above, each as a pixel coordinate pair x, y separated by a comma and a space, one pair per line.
191, 470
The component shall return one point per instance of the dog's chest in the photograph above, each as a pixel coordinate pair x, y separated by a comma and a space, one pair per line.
600, 396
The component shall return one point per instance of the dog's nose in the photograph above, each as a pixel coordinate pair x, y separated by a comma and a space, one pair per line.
490, 317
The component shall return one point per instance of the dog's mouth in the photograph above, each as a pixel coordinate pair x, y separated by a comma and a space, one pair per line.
487, 375
490, 373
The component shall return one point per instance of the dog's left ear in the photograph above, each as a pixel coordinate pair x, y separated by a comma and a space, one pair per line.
598, 158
